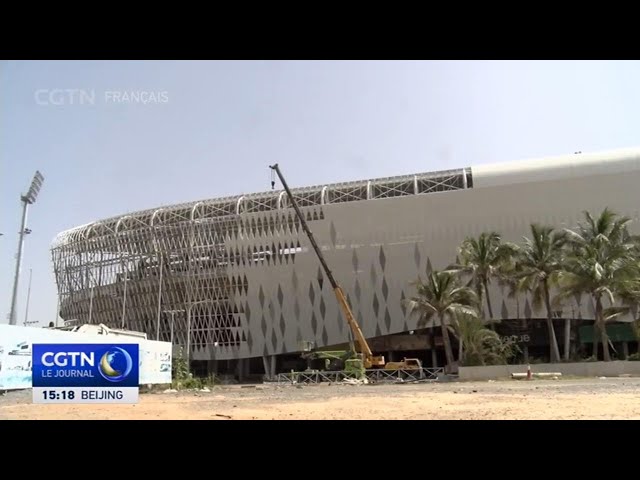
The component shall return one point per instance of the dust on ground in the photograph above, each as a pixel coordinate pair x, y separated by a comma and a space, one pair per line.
593, 398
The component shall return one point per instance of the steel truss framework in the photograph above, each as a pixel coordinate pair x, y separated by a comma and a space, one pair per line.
373, 376
171, 272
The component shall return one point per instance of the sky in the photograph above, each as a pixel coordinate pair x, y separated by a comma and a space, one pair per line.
112, 137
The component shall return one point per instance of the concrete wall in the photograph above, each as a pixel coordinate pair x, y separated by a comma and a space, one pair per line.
584, 369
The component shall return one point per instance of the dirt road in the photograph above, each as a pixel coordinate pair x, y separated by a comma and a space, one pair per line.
611, 398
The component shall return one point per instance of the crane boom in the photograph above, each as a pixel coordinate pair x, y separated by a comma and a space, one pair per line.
368, 358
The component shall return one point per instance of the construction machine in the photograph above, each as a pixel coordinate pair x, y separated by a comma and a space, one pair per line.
363, 354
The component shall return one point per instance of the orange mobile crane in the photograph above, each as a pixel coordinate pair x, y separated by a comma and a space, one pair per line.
369, 360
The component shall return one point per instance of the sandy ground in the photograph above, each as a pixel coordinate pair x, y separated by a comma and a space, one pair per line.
611, 398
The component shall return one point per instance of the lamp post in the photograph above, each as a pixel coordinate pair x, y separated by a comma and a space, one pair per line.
124, 299
189, 325
26, 313
161, 261
172, 313
91, 301
28, 199
57, 311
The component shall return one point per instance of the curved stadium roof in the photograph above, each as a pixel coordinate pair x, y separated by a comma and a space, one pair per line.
482, 176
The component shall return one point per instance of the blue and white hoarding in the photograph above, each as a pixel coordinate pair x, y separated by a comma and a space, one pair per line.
16, 342
85, 373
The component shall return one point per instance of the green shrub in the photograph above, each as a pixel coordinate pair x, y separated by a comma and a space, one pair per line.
182, 379
179, 368
482, 346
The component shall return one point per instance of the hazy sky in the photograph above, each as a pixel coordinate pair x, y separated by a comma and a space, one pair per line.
211, 129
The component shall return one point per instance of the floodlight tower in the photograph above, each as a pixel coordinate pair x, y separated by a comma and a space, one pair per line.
27, 200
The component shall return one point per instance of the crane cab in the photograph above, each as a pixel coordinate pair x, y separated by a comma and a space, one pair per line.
405, 364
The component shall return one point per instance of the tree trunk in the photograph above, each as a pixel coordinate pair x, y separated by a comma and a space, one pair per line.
434, 354
525, 347
448, 352
603, 331
596, 329
481, 309
460, 351
486, 294
554, 351
567, 338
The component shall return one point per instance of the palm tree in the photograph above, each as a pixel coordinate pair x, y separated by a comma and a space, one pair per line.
540, 260
481, 260
601, 262
442, 296
517, 285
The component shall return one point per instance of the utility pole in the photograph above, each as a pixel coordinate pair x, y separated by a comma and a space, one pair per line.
27, 200
26, 313
172, 313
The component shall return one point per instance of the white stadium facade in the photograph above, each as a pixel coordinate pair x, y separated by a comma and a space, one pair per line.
235, 282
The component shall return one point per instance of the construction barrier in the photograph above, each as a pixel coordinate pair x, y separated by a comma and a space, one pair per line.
16, 362
371, 376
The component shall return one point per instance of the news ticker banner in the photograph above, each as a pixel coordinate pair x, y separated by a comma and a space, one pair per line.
85, 373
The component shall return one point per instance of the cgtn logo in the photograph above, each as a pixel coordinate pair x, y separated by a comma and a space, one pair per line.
115, 364
98, 365
61, 359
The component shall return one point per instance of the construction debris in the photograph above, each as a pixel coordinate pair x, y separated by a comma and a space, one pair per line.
356, 381
537, 375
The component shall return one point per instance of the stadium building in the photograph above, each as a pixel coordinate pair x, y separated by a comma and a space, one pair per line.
235, 282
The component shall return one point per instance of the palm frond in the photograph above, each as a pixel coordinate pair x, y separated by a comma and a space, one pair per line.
614, 312
457, 309
419, 305
426, 319
481, 345
573, 237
